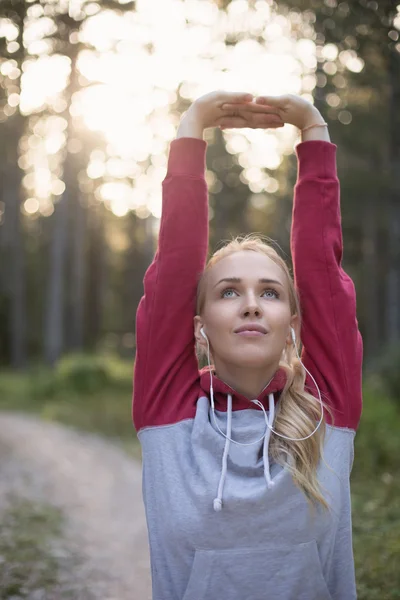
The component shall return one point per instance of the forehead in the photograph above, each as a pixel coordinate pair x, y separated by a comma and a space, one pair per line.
246, 265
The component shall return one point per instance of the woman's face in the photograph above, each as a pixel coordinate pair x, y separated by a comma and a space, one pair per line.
244, 290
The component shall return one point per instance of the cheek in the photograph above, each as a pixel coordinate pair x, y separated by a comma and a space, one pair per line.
219, 319
279, 320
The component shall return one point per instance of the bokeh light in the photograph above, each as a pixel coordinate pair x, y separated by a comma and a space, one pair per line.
130, 74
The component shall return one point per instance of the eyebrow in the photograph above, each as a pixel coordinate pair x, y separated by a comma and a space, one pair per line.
239, 280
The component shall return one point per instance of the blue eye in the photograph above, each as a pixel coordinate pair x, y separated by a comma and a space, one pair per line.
272, 291
224, 292
232, 291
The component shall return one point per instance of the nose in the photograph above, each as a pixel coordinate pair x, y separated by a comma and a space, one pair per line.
251, 306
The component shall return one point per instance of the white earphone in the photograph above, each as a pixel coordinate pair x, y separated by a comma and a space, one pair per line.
293, 336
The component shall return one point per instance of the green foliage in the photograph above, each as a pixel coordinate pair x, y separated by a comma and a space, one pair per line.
82, 373
375, 485
376, 535
375, 478
377, 439
72, 395
387, 371
26, 532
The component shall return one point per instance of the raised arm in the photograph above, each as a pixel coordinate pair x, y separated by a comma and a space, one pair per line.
165, 365
166, 372
332, 344
332, 349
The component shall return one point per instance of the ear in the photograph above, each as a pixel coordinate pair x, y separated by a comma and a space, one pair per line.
294, 322
198, 324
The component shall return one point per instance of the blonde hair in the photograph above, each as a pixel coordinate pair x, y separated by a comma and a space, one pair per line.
297, 411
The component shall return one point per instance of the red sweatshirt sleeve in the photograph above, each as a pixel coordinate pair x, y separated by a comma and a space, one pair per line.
332, 344
166, 369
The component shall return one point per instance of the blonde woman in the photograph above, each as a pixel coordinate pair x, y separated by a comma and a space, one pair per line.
246, 463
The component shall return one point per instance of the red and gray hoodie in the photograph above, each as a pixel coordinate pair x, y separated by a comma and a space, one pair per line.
218, 529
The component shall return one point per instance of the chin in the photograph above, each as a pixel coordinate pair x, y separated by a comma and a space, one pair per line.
253, 359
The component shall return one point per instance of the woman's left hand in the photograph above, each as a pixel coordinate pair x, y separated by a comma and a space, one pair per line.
291, 109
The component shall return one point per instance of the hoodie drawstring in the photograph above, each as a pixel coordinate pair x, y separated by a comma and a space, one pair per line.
218, 500
267, 436
269, 421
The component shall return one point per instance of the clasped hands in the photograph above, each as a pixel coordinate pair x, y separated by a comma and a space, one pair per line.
238, 110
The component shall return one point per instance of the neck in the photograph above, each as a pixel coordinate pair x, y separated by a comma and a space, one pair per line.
247, 382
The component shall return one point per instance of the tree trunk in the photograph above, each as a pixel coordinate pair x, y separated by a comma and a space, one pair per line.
16, 272
54, 341
78, 275
14, 128
371, 278
54, 317
97, 276
393, 282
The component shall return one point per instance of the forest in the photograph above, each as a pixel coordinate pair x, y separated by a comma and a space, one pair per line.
91, 96
89, 105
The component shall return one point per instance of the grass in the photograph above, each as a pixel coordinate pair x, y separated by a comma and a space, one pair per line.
27, 562
375, 485
376, 537
95, 395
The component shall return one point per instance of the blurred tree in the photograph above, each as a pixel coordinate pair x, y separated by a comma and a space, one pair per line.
66, 290
358, 82
66, 42
87, 264
69, 217
393, 292
13, 127
233, 207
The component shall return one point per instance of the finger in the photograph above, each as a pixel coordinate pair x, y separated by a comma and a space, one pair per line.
249, 126
277, 101
250, 107
266, 120
236, 122
228, 122
259, 119
235, 97
249, 117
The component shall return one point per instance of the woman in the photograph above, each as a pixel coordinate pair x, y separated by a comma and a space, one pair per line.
267, 516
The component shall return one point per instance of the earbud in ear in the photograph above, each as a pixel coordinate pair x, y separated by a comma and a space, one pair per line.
293, 334
203, 333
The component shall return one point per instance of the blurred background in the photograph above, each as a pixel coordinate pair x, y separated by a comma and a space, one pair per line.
91, 94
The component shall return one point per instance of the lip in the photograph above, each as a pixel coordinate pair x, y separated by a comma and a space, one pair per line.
251, 330
248, 333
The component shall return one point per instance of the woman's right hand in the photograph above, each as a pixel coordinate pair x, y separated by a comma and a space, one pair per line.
207, 111
291, 108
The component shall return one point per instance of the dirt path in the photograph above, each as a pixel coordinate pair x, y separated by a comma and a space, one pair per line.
98, 487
